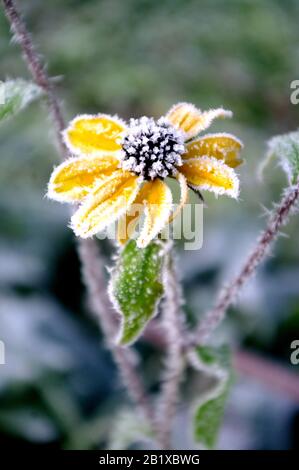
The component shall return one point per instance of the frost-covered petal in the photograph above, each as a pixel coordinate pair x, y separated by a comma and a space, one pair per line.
158, 206
183, 196
156, 200
91, 134
222, 146
191, 120
208, 173
74, 179
207, 117
127, 223
107, 202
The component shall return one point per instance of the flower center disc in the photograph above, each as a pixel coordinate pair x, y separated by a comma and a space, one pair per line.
152, 149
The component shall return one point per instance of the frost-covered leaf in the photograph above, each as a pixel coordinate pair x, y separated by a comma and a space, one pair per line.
136, 288
209, 409
129, 428
15, 95
286, 149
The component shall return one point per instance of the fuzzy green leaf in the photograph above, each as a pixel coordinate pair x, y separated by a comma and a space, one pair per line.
208, 418
286, 149
15, 95
210, 407
136, 287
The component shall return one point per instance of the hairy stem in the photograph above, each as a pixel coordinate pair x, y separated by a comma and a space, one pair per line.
88, 250
174, 331
229, 294
35, 66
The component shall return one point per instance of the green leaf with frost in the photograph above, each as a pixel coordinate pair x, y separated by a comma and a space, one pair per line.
209, 409
135, 287
286, 149
15, 95
129, 428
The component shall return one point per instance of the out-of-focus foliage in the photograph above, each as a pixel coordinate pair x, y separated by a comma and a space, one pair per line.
58, 387
129, 428
15, 95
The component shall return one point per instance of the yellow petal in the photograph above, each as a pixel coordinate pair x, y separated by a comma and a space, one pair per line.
208, 173
158, 205
74, 179
127, 223
91, 134
184, 195
222, 146
108, 201
126, 226
191, 120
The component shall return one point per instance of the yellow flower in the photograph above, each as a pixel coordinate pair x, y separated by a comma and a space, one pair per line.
118, 165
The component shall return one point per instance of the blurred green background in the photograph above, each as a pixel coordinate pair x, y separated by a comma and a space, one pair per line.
59, 387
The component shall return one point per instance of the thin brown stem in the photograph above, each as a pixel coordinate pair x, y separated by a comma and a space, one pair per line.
88, 250
228, 296
174, 331
35, 67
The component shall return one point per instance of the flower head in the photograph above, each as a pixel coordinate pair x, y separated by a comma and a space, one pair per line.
117, 165
152, 149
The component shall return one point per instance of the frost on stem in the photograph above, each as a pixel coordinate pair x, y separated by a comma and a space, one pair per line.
174, 328
277, 219
36, 67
